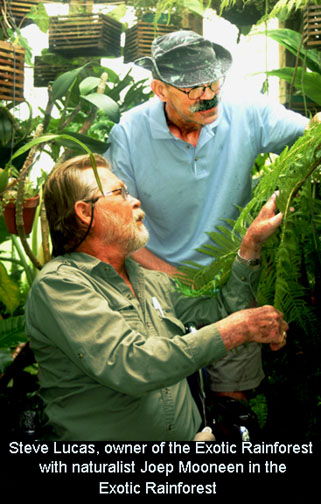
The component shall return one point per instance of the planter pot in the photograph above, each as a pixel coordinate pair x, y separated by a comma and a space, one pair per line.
16, 10
29, 210
45, 73
85, 35
312, 27
139, 38
12, 61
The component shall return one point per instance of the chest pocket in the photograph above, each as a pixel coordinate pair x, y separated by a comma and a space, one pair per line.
166, 321
174, 324
130, 314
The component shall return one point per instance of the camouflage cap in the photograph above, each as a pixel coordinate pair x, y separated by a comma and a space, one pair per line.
185, 59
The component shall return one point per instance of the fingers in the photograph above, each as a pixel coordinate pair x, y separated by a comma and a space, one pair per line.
277, 346
270, 206
263, 226
264, 325
270, 327
281, 328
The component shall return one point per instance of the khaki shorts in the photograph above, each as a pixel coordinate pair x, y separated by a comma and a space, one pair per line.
240, 369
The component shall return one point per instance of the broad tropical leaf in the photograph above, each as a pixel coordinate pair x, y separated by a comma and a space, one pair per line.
308, 82
9, 291
104, 103
12, 331
291, 40
65, 81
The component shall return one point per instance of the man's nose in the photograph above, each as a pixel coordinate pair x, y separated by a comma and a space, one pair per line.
208, 94
134, 201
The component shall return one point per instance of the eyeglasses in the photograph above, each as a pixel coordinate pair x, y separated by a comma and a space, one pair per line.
196, 92
120, 191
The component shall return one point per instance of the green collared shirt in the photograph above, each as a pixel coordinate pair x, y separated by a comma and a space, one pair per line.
112, 365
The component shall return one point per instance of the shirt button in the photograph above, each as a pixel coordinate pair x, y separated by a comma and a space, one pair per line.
81, 355
196, 158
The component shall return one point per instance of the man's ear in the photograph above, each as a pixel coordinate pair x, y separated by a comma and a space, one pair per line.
159, 89
83, 211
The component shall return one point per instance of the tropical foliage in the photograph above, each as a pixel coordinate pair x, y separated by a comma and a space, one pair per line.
292, 255
304, 77
90, 100
290, 281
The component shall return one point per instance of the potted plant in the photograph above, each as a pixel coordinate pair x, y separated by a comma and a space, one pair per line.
12, 60
154, 19
17, 12
29, 206
88, 34
48, 66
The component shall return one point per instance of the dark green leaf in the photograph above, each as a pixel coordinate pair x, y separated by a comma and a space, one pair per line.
104, 103
309, 83
9, 291
291, 40
93, 144
4, 235
5, 359
12, 331
64, 82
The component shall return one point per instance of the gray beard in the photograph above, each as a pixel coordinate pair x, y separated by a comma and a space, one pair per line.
128, 235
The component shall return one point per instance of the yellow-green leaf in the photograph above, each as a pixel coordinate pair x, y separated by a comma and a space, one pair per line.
9, 291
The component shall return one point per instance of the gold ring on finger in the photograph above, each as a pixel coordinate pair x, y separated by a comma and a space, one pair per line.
283, 338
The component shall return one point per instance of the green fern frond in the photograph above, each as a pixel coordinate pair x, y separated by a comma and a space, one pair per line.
210, 278
292, 257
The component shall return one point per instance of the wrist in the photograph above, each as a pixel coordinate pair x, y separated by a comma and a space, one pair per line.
250, 248
248, 259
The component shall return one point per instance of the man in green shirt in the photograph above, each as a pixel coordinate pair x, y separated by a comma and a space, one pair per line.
109, 336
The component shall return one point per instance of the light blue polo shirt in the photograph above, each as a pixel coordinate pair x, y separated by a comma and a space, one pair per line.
187, 191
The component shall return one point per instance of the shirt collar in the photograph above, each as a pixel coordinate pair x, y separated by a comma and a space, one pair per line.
88, 263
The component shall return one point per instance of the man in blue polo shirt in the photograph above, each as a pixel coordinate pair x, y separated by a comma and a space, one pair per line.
187, 154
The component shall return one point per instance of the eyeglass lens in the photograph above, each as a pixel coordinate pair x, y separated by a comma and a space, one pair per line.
197, 92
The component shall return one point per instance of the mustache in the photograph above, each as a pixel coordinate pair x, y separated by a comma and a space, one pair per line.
139, 215
205, 104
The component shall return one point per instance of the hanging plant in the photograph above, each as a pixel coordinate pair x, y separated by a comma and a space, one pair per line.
159, 18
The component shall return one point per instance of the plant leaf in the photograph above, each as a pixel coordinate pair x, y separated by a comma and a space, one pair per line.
5, 359
309, 83
39, 16
88, 84
12, 331
65, 81
92, 144
60, 138
106, 104
194, 6
4, 235
291, 40
9, 291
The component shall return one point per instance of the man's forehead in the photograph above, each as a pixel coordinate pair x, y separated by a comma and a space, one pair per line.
107, 177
